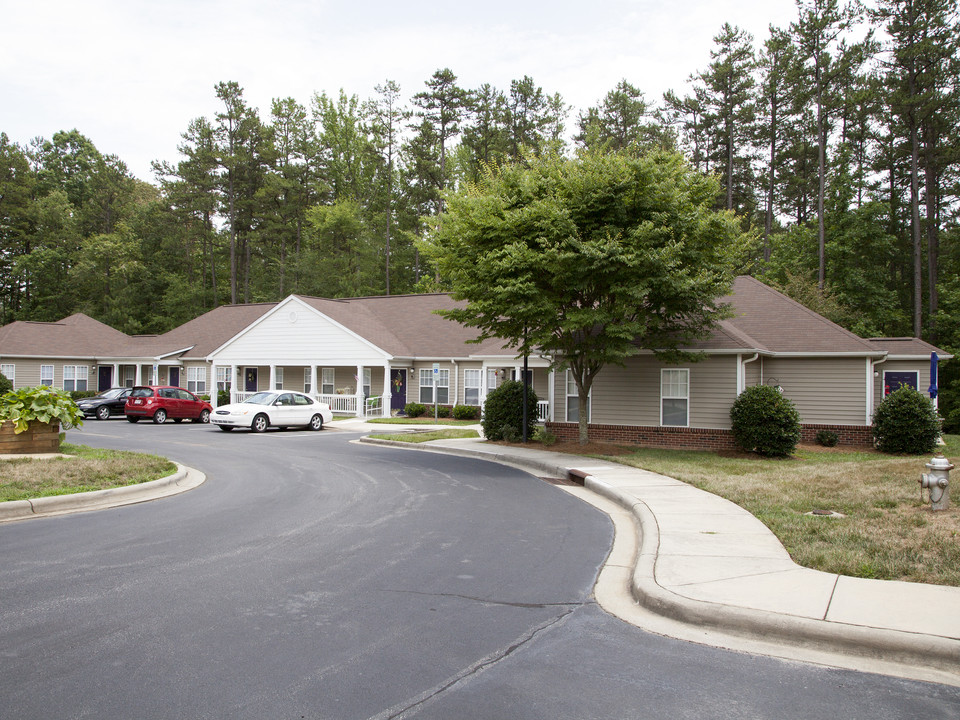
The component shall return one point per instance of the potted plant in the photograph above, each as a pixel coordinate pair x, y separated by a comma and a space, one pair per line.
31, 419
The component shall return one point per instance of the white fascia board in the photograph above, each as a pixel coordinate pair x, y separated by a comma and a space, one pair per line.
919, 358
829, 355
280, 307
175, 352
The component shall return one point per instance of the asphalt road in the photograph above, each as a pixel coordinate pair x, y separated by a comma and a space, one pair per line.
311, 577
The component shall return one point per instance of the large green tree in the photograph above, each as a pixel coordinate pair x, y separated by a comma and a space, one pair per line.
588, 260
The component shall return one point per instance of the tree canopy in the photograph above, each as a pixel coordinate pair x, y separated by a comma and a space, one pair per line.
589, 259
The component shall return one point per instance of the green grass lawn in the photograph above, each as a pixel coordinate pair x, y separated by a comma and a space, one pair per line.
87, 469
419, 437
423, 420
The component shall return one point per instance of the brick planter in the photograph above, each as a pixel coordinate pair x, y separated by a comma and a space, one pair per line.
38, 438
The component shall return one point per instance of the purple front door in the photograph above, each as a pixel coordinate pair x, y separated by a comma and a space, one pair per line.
398, 389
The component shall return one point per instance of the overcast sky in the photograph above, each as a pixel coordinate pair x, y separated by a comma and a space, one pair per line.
130, 75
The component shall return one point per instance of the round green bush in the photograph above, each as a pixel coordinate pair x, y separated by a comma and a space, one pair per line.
765, 421
504, 409
827, 438
5, 384
466, 412
414, 409
906, 422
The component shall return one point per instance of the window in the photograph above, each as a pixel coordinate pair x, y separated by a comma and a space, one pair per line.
573, 400
279, 375
306, 380
9, 372
675, 397
327, 381
130, 376
471, 387
197, 379
46, 375
224, 378
74, 377
367, 381
426, 386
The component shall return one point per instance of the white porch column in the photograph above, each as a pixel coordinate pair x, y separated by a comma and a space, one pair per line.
385, 402
360, 398
137, 375
212, 384
117, 380
233, 383
551, 391
273, 377
314, 390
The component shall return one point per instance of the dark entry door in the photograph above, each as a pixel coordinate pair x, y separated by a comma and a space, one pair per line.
175, 376
398, 389
250, 379
104, 377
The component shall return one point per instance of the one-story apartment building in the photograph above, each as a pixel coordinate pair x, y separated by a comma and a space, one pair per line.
370, 356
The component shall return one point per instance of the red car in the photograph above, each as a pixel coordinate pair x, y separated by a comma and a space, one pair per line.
160, 403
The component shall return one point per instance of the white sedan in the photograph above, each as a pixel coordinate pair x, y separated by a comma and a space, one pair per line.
279, 409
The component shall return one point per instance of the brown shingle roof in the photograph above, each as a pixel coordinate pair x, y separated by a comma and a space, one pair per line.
75, 336
908, 346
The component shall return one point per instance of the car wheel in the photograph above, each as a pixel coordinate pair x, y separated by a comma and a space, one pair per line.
316, 422
204, 416
103, 412
133, 419
260, 423
225, 428
160, 416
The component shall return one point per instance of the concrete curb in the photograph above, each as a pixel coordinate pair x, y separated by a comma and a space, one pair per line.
182, 480
886, 646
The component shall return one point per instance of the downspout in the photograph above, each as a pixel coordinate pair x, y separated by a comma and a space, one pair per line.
456, 381
742, 372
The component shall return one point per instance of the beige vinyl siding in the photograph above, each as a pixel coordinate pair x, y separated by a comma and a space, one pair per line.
460, 382
28, 372
827, 391
630, 395
751, 371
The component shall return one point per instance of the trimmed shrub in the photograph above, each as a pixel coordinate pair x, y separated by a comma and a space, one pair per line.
504, 408
443, 411
906, 422
5, 384
80, 394
827, 438
466, 412
223, 397
542, 435
415, 409
765, 422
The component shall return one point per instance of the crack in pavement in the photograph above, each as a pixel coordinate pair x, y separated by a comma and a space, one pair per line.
488, 601
398, 712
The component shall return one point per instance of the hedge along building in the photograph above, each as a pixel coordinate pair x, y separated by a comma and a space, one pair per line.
371, 356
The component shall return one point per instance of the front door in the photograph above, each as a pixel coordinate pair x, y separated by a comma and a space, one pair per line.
175, 376
250, 379
398, 389
104, 377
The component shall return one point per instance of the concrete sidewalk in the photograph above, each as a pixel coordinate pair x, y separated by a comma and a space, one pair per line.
689, 564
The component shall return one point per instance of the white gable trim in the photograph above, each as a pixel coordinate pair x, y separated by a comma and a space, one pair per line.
285, 306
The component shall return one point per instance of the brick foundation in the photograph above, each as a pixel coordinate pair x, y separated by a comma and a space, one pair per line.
696, 438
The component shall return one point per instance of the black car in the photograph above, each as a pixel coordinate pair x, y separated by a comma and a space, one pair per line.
109, 402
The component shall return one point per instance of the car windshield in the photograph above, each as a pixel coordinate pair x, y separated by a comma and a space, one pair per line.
261, 398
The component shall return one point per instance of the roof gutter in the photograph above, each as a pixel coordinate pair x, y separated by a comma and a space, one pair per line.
742, 371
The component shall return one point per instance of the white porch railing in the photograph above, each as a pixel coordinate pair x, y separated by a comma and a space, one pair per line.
373, 407
341, 404
543, 410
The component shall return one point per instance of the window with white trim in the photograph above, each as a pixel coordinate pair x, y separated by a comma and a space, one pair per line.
675, 398
471, 386
197, 380
573, 400
367, 381
426, 386
306, 380
278, 374
9, 372
328, 378
74, 377
46, 375
224, 378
